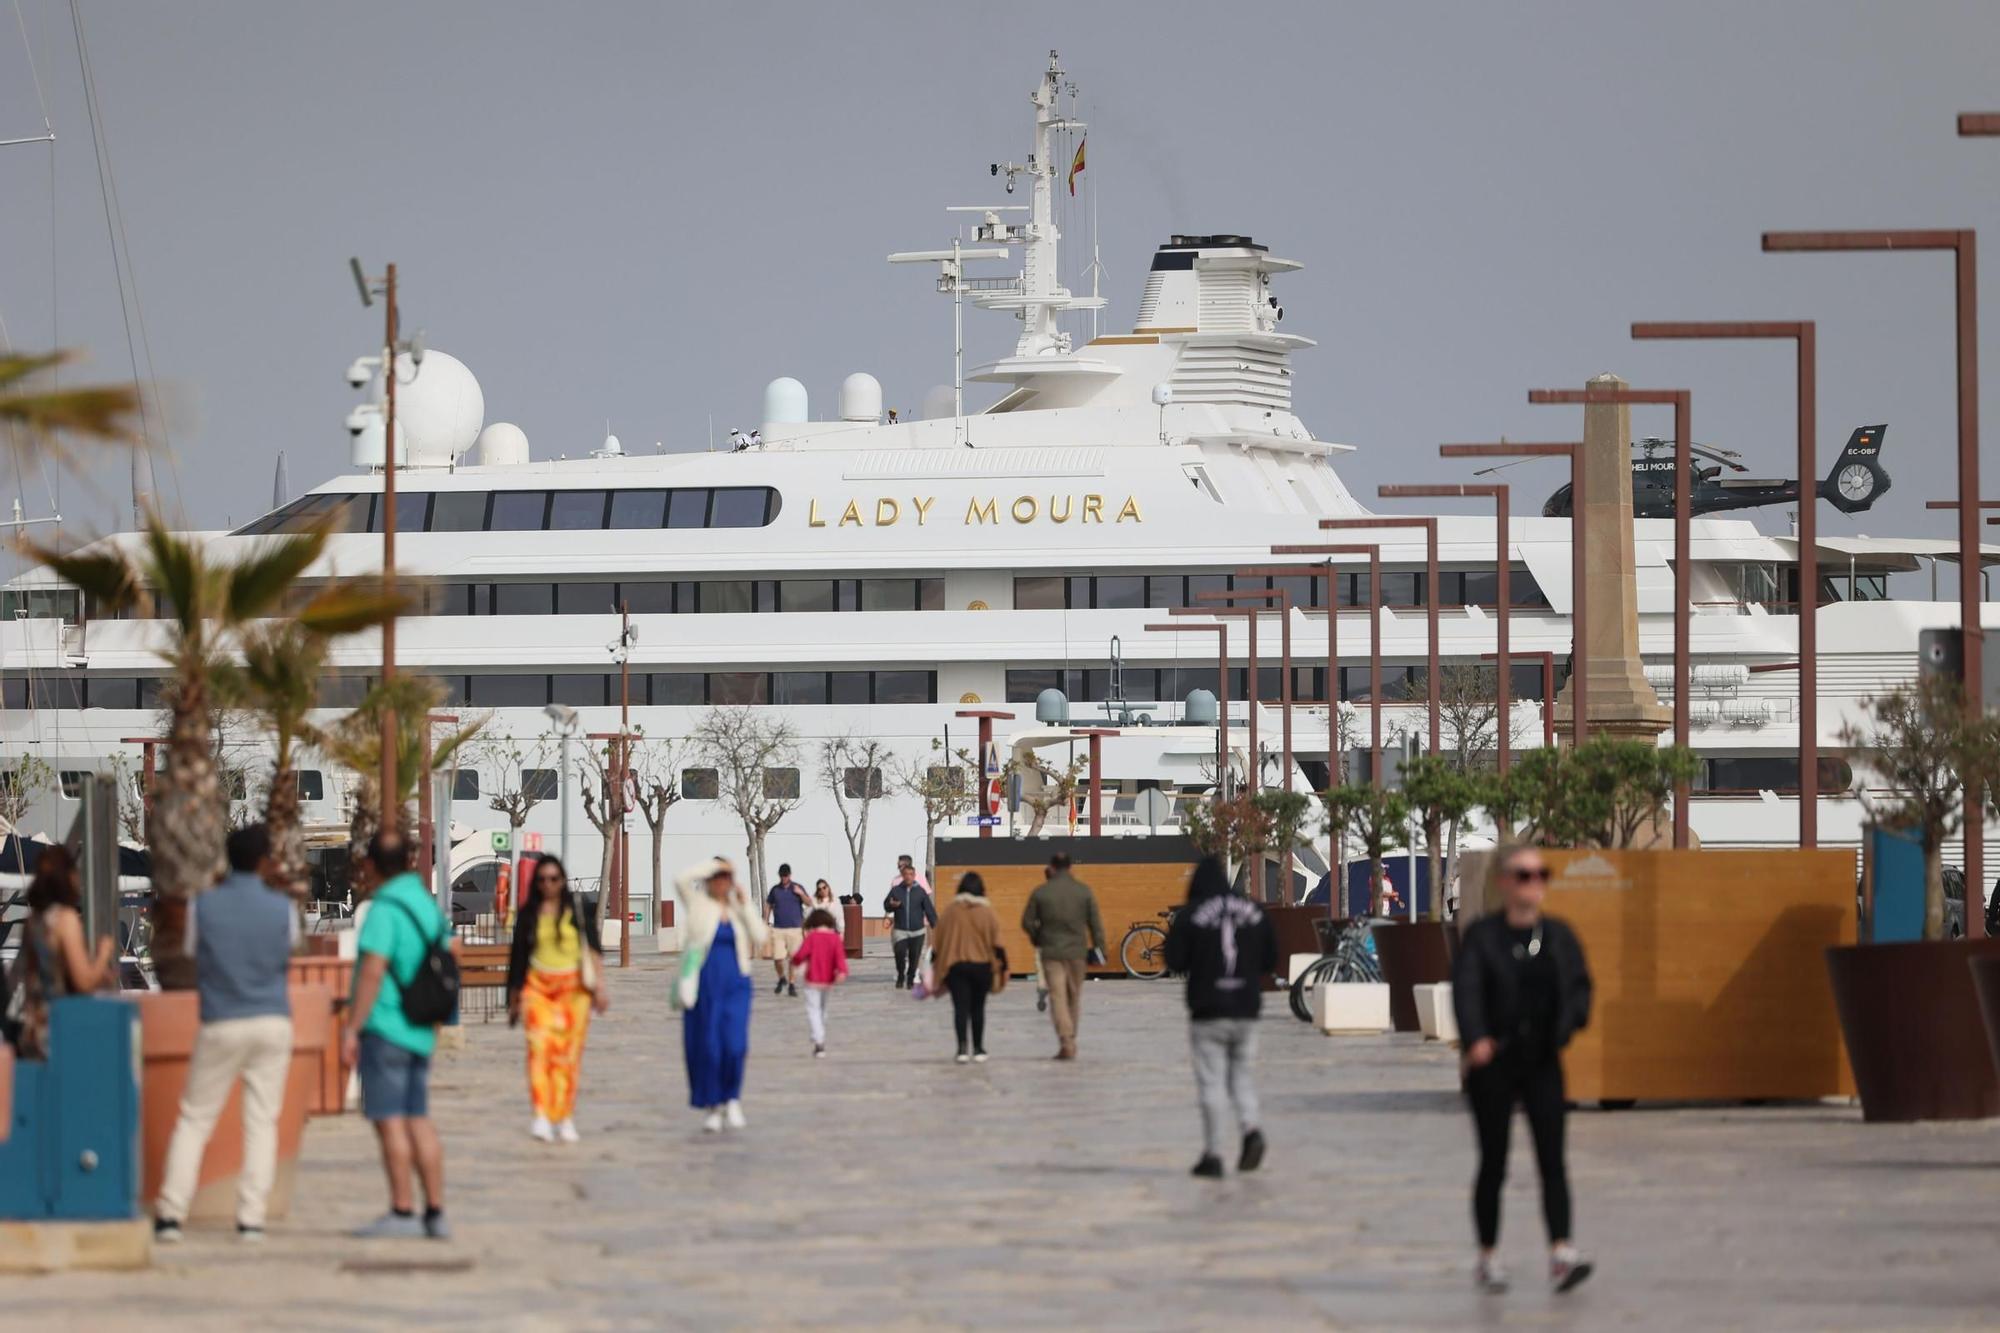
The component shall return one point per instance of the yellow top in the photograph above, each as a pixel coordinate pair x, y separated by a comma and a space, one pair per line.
556, 952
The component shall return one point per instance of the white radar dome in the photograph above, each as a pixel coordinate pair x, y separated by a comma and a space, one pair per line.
785, 402
364, 430
861, 398
439, 409
939, 402
502, 444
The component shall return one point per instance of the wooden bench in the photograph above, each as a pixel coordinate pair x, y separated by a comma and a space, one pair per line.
483, 967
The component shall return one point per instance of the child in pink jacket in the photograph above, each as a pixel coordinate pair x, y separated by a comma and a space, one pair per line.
822, 963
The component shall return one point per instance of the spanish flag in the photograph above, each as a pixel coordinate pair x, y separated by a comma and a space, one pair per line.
1076, 165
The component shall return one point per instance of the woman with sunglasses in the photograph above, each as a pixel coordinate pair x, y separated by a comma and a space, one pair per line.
555, 975
1521, 989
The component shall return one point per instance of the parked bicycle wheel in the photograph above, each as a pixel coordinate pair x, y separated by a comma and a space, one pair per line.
1144, 953
1316, 975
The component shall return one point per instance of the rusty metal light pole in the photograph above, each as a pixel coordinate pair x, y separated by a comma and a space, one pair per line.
986, 718
1280, 600
1430, 530
1374, 553
1221, 633
1250, 692
1964, 250
391, 811
1548, 661
426, 829
1804, 336
1096, 735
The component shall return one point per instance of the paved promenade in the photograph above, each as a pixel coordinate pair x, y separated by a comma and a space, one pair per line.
885, 1187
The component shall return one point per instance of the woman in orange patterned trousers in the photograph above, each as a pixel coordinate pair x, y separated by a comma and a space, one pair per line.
555, 977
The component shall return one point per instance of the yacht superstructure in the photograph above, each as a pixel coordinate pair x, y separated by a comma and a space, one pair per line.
873, 575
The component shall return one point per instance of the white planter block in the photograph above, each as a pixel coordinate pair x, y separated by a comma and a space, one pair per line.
668, 939
1298, 963
1353, 1006
1434, 1012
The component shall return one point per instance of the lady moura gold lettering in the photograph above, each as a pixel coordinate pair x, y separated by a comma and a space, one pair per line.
886, 511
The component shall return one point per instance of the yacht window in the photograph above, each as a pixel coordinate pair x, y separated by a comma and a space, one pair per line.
799, 687
353, 514
342, 691
312, 784
888, 594
524, 599
513, 690
808, 594
681, 688
72, 780
905, 687
1078, 594
847, 594
576, 511
849, 687
413, 511
586, 599
1166, 590
1522, 590
700, 784
1176, 683
580, 690
930, 594
541, 784
687, 509
726, 597
1038, 592
1308, 683
465, 785
519, 511
781, 784
638, 509
458, 511
42, 604
647, 598
452, 690
13, 694
1304, 588
861, 784
1402, 588
740, 507
1198, 584
1121, 591
1024, 684
739, 687
113, 692
448, 599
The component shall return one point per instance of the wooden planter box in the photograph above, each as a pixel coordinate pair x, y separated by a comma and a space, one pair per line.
169, 1022
1710, 981
1412, 954
1986, 981
1911, 1017
1135, 879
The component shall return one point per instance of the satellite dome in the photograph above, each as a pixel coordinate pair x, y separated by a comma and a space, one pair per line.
785, 402
439, 409
1200, 709
860, 397
1052, 708
502, 444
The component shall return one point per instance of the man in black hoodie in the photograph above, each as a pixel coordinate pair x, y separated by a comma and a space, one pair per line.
1225, 946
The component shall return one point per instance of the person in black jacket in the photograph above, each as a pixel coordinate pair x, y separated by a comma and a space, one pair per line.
1225, 946
1521, 989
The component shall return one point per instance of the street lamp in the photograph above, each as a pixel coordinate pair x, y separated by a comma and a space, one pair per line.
1804, 336
565, 719
1430, 528
1249, 615
1221, 633
1964, 250
1374, 553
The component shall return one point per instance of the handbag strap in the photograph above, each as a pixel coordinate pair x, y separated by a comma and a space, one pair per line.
430, 944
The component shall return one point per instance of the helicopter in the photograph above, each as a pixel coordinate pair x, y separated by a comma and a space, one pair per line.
1854, 482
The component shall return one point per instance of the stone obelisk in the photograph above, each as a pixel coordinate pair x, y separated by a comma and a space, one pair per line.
1622, 703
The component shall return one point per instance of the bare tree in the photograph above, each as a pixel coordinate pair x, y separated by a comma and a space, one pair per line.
657, 777
751, 752
605, 804
131, 800
851, 768
22, 783
944, 790
512, 794
1053, 789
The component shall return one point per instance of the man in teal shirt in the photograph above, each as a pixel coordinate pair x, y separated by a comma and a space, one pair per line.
393, 1054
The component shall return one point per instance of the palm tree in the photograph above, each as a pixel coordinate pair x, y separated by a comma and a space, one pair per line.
207, 605
356, 742
94, 412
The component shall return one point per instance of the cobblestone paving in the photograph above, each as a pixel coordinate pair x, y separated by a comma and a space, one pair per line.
884, 1187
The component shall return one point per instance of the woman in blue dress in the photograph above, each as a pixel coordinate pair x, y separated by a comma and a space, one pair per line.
724, 934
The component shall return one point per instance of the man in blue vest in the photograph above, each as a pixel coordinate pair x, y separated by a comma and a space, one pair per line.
241, 934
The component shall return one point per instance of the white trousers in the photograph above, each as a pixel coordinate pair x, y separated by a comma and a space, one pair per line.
259, 1051
815, 998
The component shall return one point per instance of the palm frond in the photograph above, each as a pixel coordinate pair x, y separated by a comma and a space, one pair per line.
97, 412
343, 610
17, 366
180, 574
106, 576
259, 582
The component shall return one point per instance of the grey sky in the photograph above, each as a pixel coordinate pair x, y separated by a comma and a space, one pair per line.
642, 213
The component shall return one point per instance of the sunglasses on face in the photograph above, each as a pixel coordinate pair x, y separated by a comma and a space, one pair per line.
1534, 875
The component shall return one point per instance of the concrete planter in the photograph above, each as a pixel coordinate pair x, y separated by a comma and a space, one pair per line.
169, 1022
1911, 1019
1412, 953
1436, 1019
1351, 1007
1297, 963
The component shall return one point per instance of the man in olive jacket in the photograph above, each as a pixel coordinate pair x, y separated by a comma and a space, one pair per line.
1063, 921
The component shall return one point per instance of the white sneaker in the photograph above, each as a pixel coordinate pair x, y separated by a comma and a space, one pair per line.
733, 1115
1490, 1276
566, 1131
712, 1122
542, 1130
1568, 1266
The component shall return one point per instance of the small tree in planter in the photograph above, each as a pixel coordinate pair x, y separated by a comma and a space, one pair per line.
1376, 816
1289, 814
514, 794
1440, 794
656, 766
751, 752
1919, 741
851, 769
1237, 830
944, 790
1054, 788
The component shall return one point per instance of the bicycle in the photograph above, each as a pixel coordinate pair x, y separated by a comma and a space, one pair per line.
1143, 951
1353, 959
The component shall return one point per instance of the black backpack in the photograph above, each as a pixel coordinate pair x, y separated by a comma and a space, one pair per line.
430, 995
